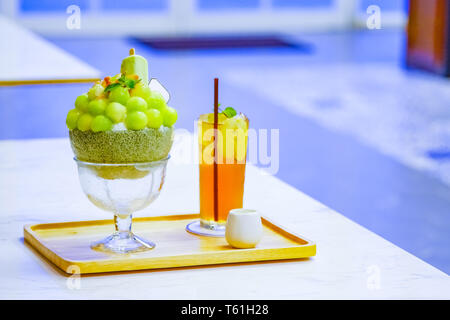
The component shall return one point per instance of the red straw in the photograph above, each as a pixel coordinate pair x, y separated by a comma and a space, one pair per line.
216, 154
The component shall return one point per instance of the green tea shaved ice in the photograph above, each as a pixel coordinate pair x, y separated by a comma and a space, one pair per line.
122, 146
122, 172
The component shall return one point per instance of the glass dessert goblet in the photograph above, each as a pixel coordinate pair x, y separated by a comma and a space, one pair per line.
122, 189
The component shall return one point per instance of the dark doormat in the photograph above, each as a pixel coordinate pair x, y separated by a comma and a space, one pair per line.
220, 42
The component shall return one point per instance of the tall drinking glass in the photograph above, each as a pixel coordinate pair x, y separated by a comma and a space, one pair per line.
226, 169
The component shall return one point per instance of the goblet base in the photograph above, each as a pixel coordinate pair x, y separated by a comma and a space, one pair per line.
123, 243
213, 230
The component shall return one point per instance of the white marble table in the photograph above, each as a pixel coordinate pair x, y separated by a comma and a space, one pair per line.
26, 58
38, 183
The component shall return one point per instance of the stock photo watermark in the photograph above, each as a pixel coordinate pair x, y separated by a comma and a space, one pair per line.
373, 277
73, 21
260, 147
374, 20
73, 282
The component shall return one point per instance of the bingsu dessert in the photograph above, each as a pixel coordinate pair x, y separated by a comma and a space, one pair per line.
122, 119
121, 132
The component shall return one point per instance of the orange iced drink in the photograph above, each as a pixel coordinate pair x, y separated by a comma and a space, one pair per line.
230, 167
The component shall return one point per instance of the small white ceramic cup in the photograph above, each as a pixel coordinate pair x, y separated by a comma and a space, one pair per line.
244, 228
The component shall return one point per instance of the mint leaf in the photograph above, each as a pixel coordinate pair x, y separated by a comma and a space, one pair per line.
130, 83
123, 82
229, 112
112, 86
122, 78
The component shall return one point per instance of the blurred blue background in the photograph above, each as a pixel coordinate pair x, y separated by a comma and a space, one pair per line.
358, 131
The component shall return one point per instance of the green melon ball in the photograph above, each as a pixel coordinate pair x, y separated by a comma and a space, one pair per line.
154, 118
84, 122
97, 106
96, 90
116, 78
156, 101
170, 116
136, 120
136, 104
119, 94
141, 90
101, 123
116, 112
72, 118
81, 102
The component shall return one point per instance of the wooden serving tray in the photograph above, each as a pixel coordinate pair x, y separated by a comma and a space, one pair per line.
67, 245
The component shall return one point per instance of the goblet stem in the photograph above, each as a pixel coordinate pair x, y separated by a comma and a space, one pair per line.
122, 224
123, 240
